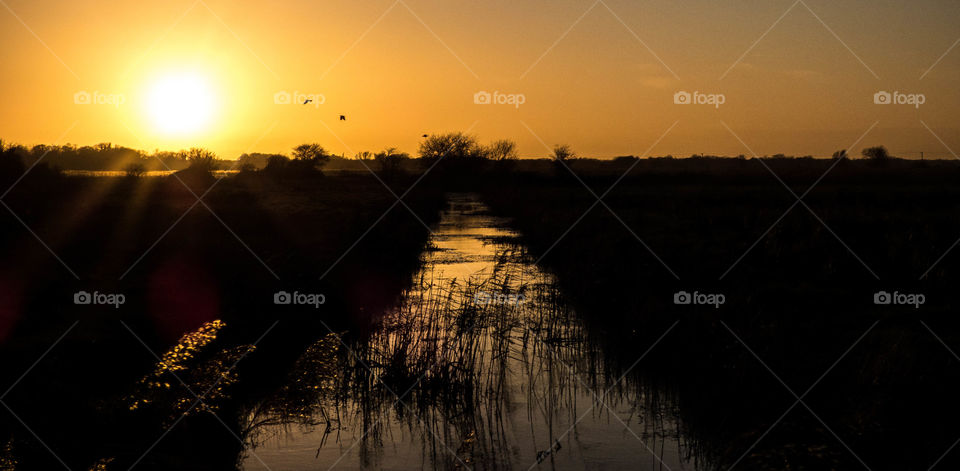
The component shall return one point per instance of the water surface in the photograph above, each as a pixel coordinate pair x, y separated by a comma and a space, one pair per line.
494, 372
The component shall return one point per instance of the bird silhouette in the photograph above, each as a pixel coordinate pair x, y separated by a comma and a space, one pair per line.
424, 135
343, 118
308, 100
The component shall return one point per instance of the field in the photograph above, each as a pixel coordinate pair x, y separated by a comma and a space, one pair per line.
799, 281
797, 368
222, 261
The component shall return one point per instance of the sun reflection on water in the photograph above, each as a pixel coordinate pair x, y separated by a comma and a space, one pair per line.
189, 369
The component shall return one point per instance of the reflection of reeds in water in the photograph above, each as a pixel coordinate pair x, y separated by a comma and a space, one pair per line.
187, 370
464, 370
308, 398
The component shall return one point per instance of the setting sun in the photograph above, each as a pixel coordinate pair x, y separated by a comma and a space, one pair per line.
181, 104
513, 234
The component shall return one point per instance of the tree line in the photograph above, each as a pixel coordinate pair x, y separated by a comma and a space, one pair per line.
457, 149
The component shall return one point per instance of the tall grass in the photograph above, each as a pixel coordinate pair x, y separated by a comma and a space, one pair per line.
459, 365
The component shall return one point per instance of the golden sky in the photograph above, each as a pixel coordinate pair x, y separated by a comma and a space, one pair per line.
796, 76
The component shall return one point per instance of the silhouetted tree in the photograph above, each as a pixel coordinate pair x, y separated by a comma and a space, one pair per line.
450, 146
201, 160
563, 153
503, 149
503, 153
840, 154
276, 164
876, 154
454, 154
391, 162
308, 158
253, 161
11, 163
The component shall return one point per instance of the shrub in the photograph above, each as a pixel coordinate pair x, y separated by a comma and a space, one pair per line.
501, 150
201, 160
135, 170
450, 146
11, 162
391, 162
876, 154
276, 164
563, 153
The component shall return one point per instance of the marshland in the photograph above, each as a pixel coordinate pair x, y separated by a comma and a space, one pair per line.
480, 313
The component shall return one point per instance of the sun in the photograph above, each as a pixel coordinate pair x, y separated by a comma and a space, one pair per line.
181, 103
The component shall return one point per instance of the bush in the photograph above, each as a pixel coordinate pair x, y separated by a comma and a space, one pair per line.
201, 160
391, 162
876, 154
276, 164
563, 153
501, 150
135, 170
11, 162
450, 146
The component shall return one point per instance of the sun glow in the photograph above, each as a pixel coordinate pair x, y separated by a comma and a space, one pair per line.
181, 104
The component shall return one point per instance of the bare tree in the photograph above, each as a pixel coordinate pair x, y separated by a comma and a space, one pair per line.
503, 149
452, 146
563, 153
201, 159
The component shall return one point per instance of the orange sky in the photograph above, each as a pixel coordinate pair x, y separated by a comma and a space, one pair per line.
588, 72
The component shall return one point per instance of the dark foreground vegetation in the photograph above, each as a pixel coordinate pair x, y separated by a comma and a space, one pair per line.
801, 295
798, 279
181, 265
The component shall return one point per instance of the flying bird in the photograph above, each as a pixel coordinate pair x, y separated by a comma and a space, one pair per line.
425, 135
308, 100
343, 118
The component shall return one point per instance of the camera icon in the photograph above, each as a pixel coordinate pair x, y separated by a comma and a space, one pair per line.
81, 98
682, 98
881, 297
482, 98
282, 297
681, 297
82, 297
281, 98
882, 98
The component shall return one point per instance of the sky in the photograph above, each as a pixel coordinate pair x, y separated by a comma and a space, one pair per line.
796, 77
